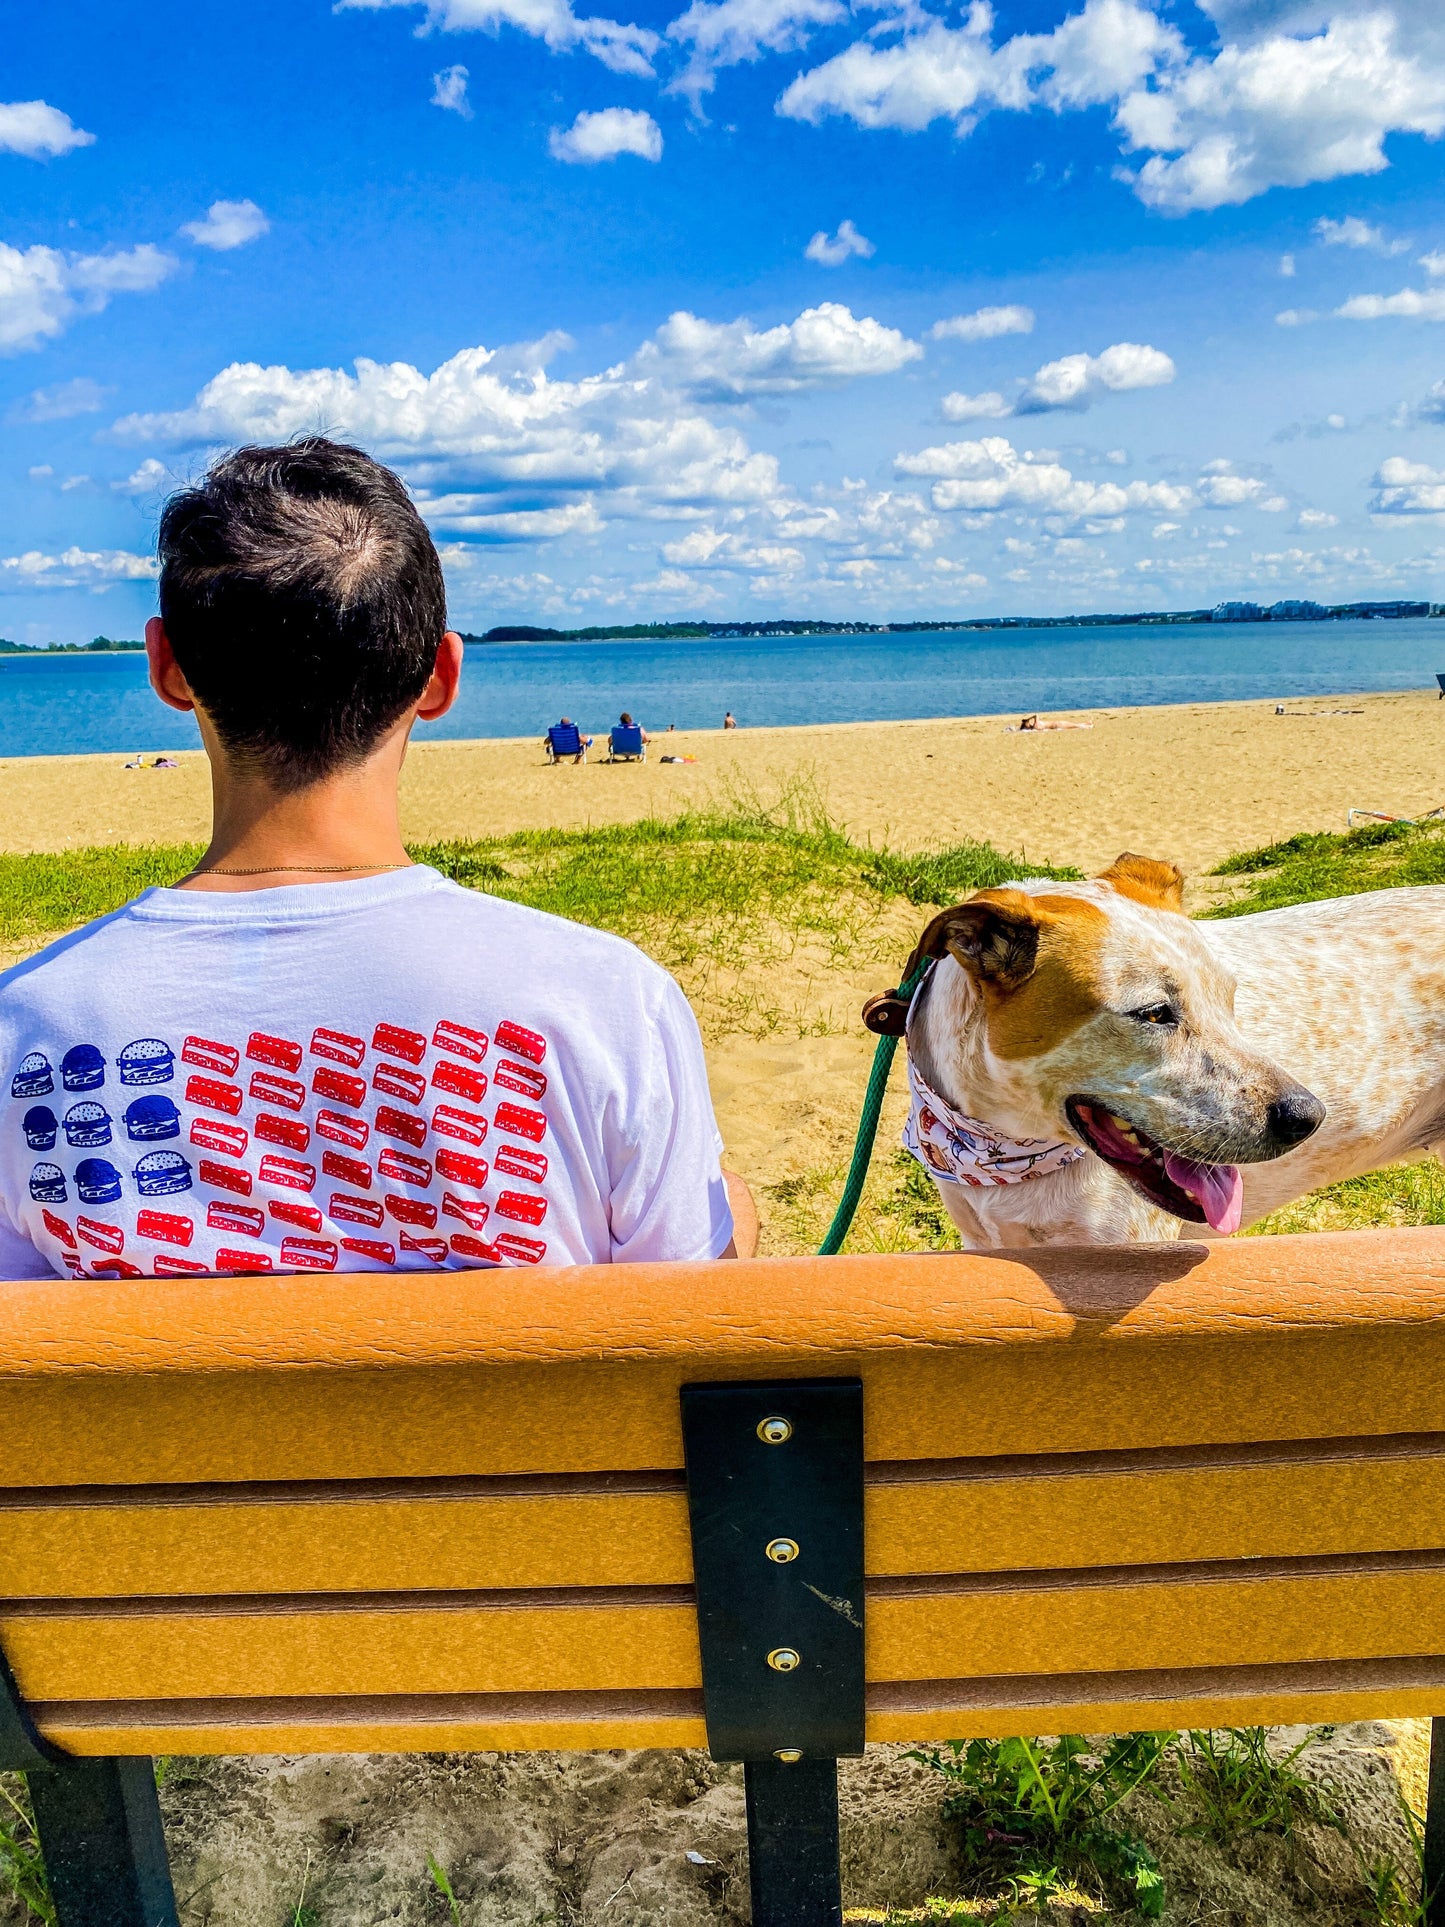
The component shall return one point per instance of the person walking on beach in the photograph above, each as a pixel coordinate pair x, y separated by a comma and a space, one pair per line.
730, 721
312, 1053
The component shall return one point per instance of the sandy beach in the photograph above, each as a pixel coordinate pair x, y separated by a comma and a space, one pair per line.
1193, 782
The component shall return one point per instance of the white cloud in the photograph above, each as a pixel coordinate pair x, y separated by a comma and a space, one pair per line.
1316, 519
1429, 410
989, 406
625, 49
1221, 488
449, 90
1417, 304
459, 515
983, 324
37, 130
1074, 381
79, 396
731, 361
42, 291
832, 250
606, 134
227, 225
150, 477
1408, 488
709, 548
493, 428
74, 569
1269, 108
1352, 232
731, 31
1286, 266
1433, 264
1280, 111
992, 474
1296, 317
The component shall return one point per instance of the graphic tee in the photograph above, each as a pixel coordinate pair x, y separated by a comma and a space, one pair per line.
388, 1074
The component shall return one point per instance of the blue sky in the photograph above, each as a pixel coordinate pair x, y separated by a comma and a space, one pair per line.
743, 307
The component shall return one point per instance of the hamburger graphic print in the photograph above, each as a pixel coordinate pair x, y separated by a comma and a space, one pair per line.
333, 1149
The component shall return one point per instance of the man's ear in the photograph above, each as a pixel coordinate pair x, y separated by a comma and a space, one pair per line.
1147, 880
995, 936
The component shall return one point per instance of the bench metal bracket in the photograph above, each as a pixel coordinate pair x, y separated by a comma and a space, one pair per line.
775, 1499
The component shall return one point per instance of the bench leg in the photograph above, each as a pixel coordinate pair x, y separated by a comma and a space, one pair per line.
793, 1843
99, 1824
1433, 1870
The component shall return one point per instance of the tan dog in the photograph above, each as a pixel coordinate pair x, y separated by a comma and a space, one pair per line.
1090, 1066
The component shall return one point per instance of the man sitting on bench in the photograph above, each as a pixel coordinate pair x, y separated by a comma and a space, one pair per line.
312, 1053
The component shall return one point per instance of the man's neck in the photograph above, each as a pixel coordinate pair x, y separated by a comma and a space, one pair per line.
346, 825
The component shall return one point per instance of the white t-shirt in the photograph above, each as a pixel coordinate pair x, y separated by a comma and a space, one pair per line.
387, 1074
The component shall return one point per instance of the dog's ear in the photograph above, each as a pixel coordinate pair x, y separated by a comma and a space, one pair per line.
995, 936
1147, 880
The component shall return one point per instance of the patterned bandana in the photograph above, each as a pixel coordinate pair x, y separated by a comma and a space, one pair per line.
964, 1150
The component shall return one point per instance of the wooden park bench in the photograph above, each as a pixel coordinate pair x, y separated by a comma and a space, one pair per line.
779, 1508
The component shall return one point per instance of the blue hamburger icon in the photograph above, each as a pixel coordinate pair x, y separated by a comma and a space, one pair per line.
96, 1181
82, 1068
34, 1077
40, 1128
47, 1184
152, 1117
147, 1061
87, 1124
161, 1172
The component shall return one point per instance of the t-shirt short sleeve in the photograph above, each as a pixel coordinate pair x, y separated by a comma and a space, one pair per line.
668, 1198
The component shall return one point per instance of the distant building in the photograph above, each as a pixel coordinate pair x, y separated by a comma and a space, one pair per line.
1387, 611
1237, 612
1297, 612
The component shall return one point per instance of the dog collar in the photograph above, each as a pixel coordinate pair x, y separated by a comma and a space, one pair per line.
964, 1150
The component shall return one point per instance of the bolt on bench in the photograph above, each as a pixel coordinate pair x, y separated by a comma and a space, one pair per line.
779, 1508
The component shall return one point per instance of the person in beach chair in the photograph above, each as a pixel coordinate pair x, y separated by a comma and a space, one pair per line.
564, 740
312, 1053
628, 741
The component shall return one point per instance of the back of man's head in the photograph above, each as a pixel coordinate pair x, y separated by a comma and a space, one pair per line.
304, 601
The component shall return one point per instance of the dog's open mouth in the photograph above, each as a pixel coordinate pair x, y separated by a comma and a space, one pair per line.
1211, 1194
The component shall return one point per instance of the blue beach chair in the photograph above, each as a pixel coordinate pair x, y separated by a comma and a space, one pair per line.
565, 739
625, 744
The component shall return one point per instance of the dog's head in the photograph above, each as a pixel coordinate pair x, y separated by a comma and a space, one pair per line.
1097, 1012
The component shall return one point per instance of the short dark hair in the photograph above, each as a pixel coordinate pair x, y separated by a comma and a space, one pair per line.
303, 597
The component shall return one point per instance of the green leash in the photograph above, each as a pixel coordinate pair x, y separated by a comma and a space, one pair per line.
868, 1125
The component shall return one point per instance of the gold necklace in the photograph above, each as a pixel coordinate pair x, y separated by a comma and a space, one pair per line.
297, 869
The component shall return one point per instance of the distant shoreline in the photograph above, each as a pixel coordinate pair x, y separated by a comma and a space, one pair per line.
1225, 612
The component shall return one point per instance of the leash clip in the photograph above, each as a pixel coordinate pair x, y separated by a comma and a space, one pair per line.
886, 1014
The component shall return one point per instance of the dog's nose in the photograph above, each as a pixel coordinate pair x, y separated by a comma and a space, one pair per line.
1295, 1115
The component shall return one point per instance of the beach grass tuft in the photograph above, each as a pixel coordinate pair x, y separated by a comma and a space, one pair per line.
1318, 864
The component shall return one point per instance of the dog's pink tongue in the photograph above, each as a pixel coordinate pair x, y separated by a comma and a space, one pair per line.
1218, 1187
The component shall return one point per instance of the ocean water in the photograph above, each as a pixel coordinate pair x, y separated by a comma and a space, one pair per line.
59, 705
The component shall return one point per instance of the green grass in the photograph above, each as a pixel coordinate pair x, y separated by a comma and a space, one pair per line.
1240, 1787
671, 881
22, 1871
1401, 1194
1306, 868
1038, 1819
54, 891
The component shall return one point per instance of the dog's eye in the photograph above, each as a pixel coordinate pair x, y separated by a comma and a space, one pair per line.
1156, 1014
